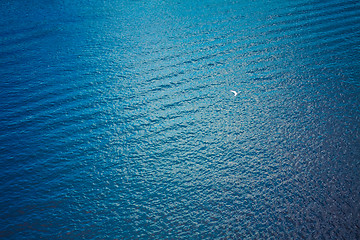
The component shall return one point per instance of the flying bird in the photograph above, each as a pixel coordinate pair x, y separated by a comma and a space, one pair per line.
234, 92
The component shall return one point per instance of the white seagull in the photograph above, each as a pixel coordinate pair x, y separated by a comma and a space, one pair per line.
234, 92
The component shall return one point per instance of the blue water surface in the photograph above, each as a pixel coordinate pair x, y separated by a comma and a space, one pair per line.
117, 119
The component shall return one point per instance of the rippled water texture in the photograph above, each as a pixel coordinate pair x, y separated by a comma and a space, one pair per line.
117, 119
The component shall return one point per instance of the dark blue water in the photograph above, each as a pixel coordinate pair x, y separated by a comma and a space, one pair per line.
117, 120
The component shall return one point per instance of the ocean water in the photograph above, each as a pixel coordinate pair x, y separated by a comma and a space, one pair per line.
117, 120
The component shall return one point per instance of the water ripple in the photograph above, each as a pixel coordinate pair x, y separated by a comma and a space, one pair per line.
117, 120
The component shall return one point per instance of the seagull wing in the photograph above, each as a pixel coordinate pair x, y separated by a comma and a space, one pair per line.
235, 93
